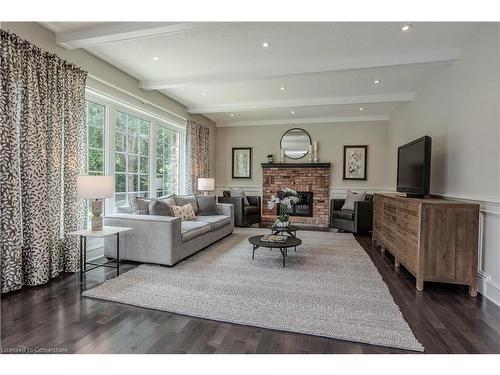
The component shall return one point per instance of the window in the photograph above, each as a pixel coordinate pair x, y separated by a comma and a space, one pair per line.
141, 150
95, 138
131, 158
167, 161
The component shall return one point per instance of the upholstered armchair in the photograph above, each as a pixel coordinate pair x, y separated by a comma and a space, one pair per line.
359, 220
244, 215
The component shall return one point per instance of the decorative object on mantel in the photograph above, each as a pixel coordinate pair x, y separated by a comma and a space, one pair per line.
311, 157
315, 150
242, 162
270, 158
282, 156
355, 162
287, 200
295, 143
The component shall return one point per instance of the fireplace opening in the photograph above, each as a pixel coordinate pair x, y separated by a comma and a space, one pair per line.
304, 207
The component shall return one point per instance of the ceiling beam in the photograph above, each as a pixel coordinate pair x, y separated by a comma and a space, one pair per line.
440, 57
316, 120
255, 106
120, 31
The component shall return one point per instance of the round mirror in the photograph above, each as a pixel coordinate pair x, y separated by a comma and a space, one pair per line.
295, 143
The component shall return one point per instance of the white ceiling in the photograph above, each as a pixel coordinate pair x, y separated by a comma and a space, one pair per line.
327, 69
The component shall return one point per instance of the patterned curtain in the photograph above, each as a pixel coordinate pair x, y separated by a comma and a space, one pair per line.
42, 150
196, 154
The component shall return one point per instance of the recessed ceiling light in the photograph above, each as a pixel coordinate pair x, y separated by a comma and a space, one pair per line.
293, 112
265, 44
377, 81
203, 93
361, 109
282, 88
406, 27
232, 115
156, 58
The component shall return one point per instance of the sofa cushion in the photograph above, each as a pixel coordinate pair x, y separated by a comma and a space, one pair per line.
215, 221
251, 210
182, 200
192, 229
160, 207
184, 212
351, 198
206, 205
239, 192
343, 214
139, 205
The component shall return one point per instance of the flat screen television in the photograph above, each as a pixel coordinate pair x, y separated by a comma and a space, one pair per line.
414, 167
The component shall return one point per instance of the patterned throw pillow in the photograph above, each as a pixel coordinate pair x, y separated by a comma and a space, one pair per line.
182, 200
185, 212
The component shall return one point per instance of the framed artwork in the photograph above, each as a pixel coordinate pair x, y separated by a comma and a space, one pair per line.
355, 162
242, 162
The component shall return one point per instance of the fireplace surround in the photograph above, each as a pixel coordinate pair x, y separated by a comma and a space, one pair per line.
313, 178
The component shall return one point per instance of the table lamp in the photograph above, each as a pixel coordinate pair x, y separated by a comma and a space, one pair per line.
206, 185
96, 188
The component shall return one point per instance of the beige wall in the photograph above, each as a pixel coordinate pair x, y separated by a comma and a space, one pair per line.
112, 81
459, 107
331, 139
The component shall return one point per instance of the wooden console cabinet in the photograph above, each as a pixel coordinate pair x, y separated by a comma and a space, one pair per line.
435, 239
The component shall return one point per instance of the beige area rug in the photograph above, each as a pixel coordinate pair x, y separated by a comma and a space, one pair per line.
330, 287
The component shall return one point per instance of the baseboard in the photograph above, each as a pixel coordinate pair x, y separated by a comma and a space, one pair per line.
489, 288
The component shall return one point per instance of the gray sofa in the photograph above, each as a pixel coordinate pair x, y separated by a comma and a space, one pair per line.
167, 240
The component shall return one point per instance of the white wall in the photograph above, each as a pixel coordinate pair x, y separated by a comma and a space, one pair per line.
459, 108
331, 139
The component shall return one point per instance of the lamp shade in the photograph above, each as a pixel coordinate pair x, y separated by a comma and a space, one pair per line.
95, 187
206, 184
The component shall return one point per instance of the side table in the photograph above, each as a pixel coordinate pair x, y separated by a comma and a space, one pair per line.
105, 232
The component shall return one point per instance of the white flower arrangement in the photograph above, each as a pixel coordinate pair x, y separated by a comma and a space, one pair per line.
287, 200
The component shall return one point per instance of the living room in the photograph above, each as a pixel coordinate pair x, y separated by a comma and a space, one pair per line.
217, 186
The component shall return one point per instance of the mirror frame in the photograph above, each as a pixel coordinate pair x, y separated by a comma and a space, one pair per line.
281, 141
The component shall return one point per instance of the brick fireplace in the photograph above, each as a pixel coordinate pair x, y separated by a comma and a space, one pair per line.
304, 177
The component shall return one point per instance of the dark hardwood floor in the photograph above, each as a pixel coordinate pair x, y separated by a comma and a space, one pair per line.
55, 317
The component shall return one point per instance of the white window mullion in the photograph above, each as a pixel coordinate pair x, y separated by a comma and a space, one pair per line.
152, 159
110, 151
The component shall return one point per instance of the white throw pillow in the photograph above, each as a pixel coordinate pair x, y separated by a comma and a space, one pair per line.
239, 192
185, 212
351, 198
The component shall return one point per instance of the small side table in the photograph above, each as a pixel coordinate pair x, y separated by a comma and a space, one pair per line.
105, 232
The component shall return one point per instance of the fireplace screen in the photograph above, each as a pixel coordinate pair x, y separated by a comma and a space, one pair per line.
304, 207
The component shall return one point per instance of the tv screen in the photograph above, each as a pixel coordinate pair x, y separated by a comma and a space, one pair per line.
414, 166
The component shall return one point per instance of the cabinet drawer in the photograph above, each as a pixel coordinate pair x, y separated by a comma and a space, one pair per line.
389, 237
410, 208
408, 222
377, 223
408, 254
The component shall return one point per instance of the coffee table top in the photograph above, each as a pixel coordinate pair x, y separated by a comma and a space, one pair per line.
290, 242
291, 228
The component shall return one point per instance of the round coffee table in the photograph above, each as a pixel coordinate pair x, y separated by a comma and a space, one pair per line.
282, 246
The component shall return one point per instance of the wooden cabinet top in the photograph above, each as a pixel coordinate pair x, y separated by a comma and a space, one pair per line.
431, 200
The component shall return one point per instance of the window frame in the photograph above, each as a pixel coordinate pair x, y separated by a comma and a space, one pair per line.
112, 107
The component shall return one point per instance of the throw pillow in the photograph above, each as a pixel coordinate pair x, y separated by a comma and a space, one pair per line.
139, 205
206, 205
182, 200
239, 192
351, 198
160, 207
185, 212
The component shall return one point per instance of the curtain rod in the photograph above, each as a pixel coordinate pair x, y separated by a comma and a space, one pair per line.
135, 96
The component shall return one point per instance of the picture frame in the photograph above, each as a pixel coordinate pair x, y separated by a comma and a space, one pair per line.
241, 162
355, 162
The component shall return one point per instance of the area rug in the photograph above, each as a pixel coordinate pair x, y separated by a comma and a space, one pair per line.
329, 287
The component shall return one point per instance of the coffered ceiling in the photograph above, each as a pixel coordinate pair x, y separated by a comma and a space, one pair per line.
272, 73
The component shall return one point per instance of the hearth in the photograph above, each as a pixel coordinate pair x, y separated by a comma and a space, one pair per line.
303, 208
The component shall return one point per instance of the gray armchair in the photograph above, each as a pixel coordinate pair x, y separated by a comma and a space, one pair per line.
244, 215
358, 221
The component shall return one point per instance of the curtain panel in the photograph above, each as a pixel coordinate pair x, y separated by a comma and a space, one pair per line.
197, 163
42, 150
